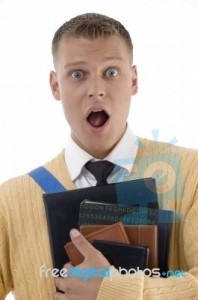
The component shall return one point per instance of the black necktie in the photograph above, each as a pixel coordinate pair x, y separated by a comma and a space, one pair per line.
101, 170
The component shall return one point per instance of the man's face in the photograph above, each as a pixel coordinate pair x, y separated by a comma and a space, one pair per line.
95, 81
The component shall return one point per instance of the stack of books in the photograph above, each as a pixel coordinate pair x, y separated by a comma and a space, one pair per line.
122, 220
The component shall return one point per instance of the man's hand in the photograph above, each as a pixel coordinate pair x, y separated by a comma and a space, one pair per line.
76, 288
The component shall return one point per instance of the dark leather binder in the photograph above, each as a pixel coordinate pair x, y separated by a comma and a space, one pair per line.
141, 235
113, 233
104, 213
62, 209
124, 255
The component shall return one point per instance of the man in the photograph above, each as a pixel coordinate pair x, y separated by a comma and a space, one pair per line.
94, 78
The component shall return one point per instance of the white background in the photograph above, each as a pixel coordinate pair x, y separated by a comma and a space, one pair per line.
165, 37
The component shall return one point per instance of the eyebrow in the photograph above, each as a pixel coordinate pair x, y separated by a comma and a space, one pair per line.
76, 63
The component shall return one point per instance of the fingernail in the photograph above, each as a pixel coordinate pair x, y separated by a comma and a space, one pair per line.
75, 233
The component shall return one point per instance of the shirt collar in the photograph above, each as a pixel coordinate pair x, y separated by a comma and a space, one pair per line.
122, 155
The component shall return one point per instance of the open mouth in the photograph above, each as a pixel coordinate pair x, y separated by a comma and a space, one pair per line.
97, 118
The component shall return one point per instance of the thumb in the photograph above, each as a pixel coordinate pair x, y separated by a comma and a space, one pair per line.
68, 266
81, 243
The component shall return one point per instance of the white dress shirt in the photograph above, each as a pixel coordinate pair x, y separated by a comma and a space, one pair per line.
123, 156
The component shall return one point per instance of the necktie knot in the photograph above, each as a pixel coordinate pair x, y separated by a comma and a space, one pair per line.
100, 170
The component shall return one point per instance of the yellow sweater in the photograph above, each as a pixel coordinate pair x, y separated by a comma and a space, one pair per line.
24, 240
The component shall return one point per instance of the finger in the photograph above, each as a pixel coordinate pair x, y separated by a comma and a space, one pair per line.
81, 243
61, 284
59, 296
68, 266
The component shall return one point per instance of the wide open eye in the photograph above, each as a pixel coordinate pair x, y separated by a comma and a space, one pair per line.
77, 74
111, 72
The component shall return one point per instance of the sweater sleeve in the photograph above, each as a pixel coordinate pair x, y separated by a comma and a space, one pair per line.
5, 274
174, 288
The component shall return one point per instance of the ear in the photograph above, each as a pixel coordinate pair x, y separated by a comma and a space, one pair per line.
134, 81
54, 85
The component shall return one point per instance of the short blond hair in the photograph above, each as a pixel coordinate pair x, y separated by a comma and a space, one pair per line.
91, 26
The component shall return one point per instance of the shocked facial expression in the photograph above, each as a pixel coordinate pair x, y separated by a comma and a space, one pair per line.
94, 80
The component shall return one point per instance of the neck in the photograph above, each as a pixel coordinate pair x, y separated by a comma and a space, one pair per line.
94, 152
99, 154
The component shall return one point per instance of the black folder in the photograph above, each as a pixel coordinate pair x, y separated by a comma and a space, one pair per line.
125, 256
62, 209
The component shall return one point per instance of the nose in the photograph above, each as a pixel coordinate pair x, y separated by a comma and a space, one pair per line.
96, 88
98, 94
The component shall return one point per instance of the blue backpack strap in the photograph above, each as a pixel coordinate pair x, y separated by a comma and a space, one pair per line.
46, 180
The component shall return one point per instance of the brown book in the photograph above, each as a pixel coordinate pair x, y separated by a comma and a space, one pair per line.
140, 235
112, 233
